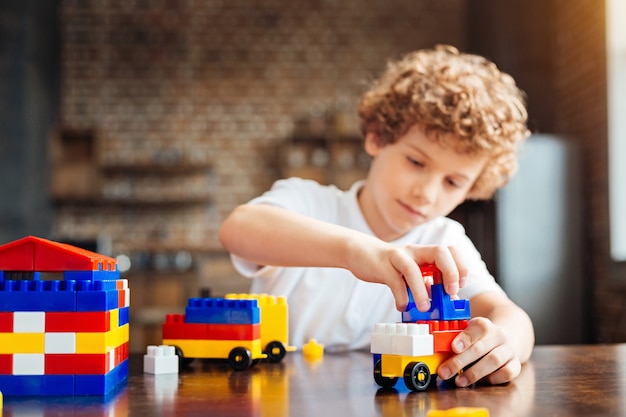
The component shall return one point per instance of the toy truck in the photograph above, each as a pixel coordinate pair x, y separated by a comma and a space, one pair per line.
414, 348
242, 328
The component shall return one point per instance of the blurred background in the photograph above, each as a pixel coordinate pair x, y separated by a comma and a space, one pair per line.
133, 127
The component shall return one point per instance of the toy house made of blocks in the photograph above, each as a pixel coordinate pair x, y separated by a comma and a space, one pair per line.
63, 320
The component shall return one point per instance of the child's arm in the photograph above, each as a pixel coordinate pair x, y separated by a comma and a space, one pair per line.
269, 235
499, 338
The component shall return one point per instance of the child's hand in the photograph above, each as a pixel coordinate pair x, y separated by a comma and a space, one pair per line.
483, 345
397, 266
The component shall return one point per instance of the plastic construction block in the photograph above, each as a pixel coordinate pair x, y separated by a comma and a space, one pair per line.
97, 295
101, 384
124, 316
442, 307
36, 295
408, 339
313, 350
160, 360
460, 412
222, 311
36, 254
78, 321
176, 328
37, 385
91, 275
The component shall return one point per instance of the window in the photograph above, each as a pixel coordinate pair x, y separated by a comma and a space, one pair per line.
616, 84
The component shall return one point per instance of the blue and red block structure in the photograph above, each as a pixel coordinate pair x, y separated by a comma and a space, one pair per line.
61, 337
242, 328
414, 348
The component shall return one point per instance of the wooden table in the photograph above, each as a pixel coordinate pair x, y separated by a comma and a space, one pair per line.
559, 381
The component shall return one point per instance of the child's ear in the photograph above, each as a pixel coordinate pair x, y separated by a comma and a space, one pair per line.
372, 143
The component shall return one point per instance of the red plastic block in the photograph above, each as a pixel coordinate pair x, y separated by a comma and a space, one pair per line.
81, 321
6, 322
18, 255
6, 364
36, 254
175, 328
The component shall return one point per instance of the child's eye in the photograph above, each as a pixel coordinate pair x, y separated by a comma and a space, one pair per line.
454, 184
415, 162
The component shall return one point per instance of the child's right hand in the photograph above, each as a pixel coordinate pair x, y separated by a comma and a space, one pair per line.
397, 266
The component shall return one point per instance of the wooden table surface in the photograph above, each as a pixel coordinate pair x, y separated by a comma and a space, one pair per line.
559, 381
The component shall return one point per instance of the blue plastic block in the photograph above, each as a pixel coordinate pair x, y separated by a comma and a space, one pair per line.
96, 295
123, 316
92, 275
376, 357
442, 307
102, 384
37, 385
222, 311
36, 295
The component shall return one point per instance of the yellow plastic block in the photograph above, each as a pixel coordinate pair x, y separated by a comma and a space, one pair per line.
101, 342
460, 412
217, 349
394, 365
22, 342
313, 350
114, 317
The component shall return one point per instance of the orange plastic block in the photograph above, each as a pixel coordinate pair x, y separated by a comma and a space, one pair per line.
443, 340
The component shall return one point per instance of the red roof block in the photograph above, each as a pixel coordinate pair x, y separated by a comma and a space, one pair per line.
36, 254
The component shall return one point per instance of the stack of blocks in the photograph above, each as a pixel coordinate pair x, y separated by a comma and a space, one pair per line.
239, 327
61, 337
212, 327
422, 336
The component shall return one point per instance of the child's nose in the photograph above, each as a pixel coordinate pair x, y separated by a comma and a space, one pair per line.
426, 190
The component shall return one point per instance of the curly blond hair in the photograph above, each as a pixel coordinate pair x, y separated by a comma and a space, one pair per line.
449, 92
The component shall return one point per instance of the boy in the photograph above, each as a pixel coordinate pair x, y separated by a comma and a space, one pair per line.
441, 127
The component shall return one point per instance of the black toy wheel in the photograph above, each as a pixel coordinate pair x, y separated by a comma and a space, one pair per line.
275, 351
381, 380
240, 359
417, 376
182, 360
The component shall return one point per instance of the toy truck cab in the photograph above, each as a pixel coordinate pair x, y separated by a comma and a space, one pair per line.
414, 348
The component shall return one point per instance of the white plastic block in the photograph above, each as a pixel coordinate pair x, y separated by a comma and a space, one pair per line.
29, 322
160, 360
422, 345
60, 342
28, 364
406, 339
380, 340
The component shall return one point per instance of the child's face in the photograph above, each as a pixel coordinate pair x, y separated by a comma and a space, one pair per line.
413, 181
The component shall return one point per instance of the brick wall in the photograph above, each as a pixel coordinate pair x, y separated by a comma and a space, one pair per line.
218, 84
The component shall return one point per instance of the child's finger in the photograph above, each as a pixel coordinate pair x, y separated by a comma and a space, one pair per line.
413, 279
443, 258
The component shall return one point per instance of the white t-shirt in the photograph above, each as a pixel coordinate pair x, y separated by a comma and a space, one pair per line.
330, 305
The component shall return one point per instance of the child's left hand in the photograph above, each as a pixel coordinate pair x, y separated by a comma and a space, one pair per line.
484, 346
